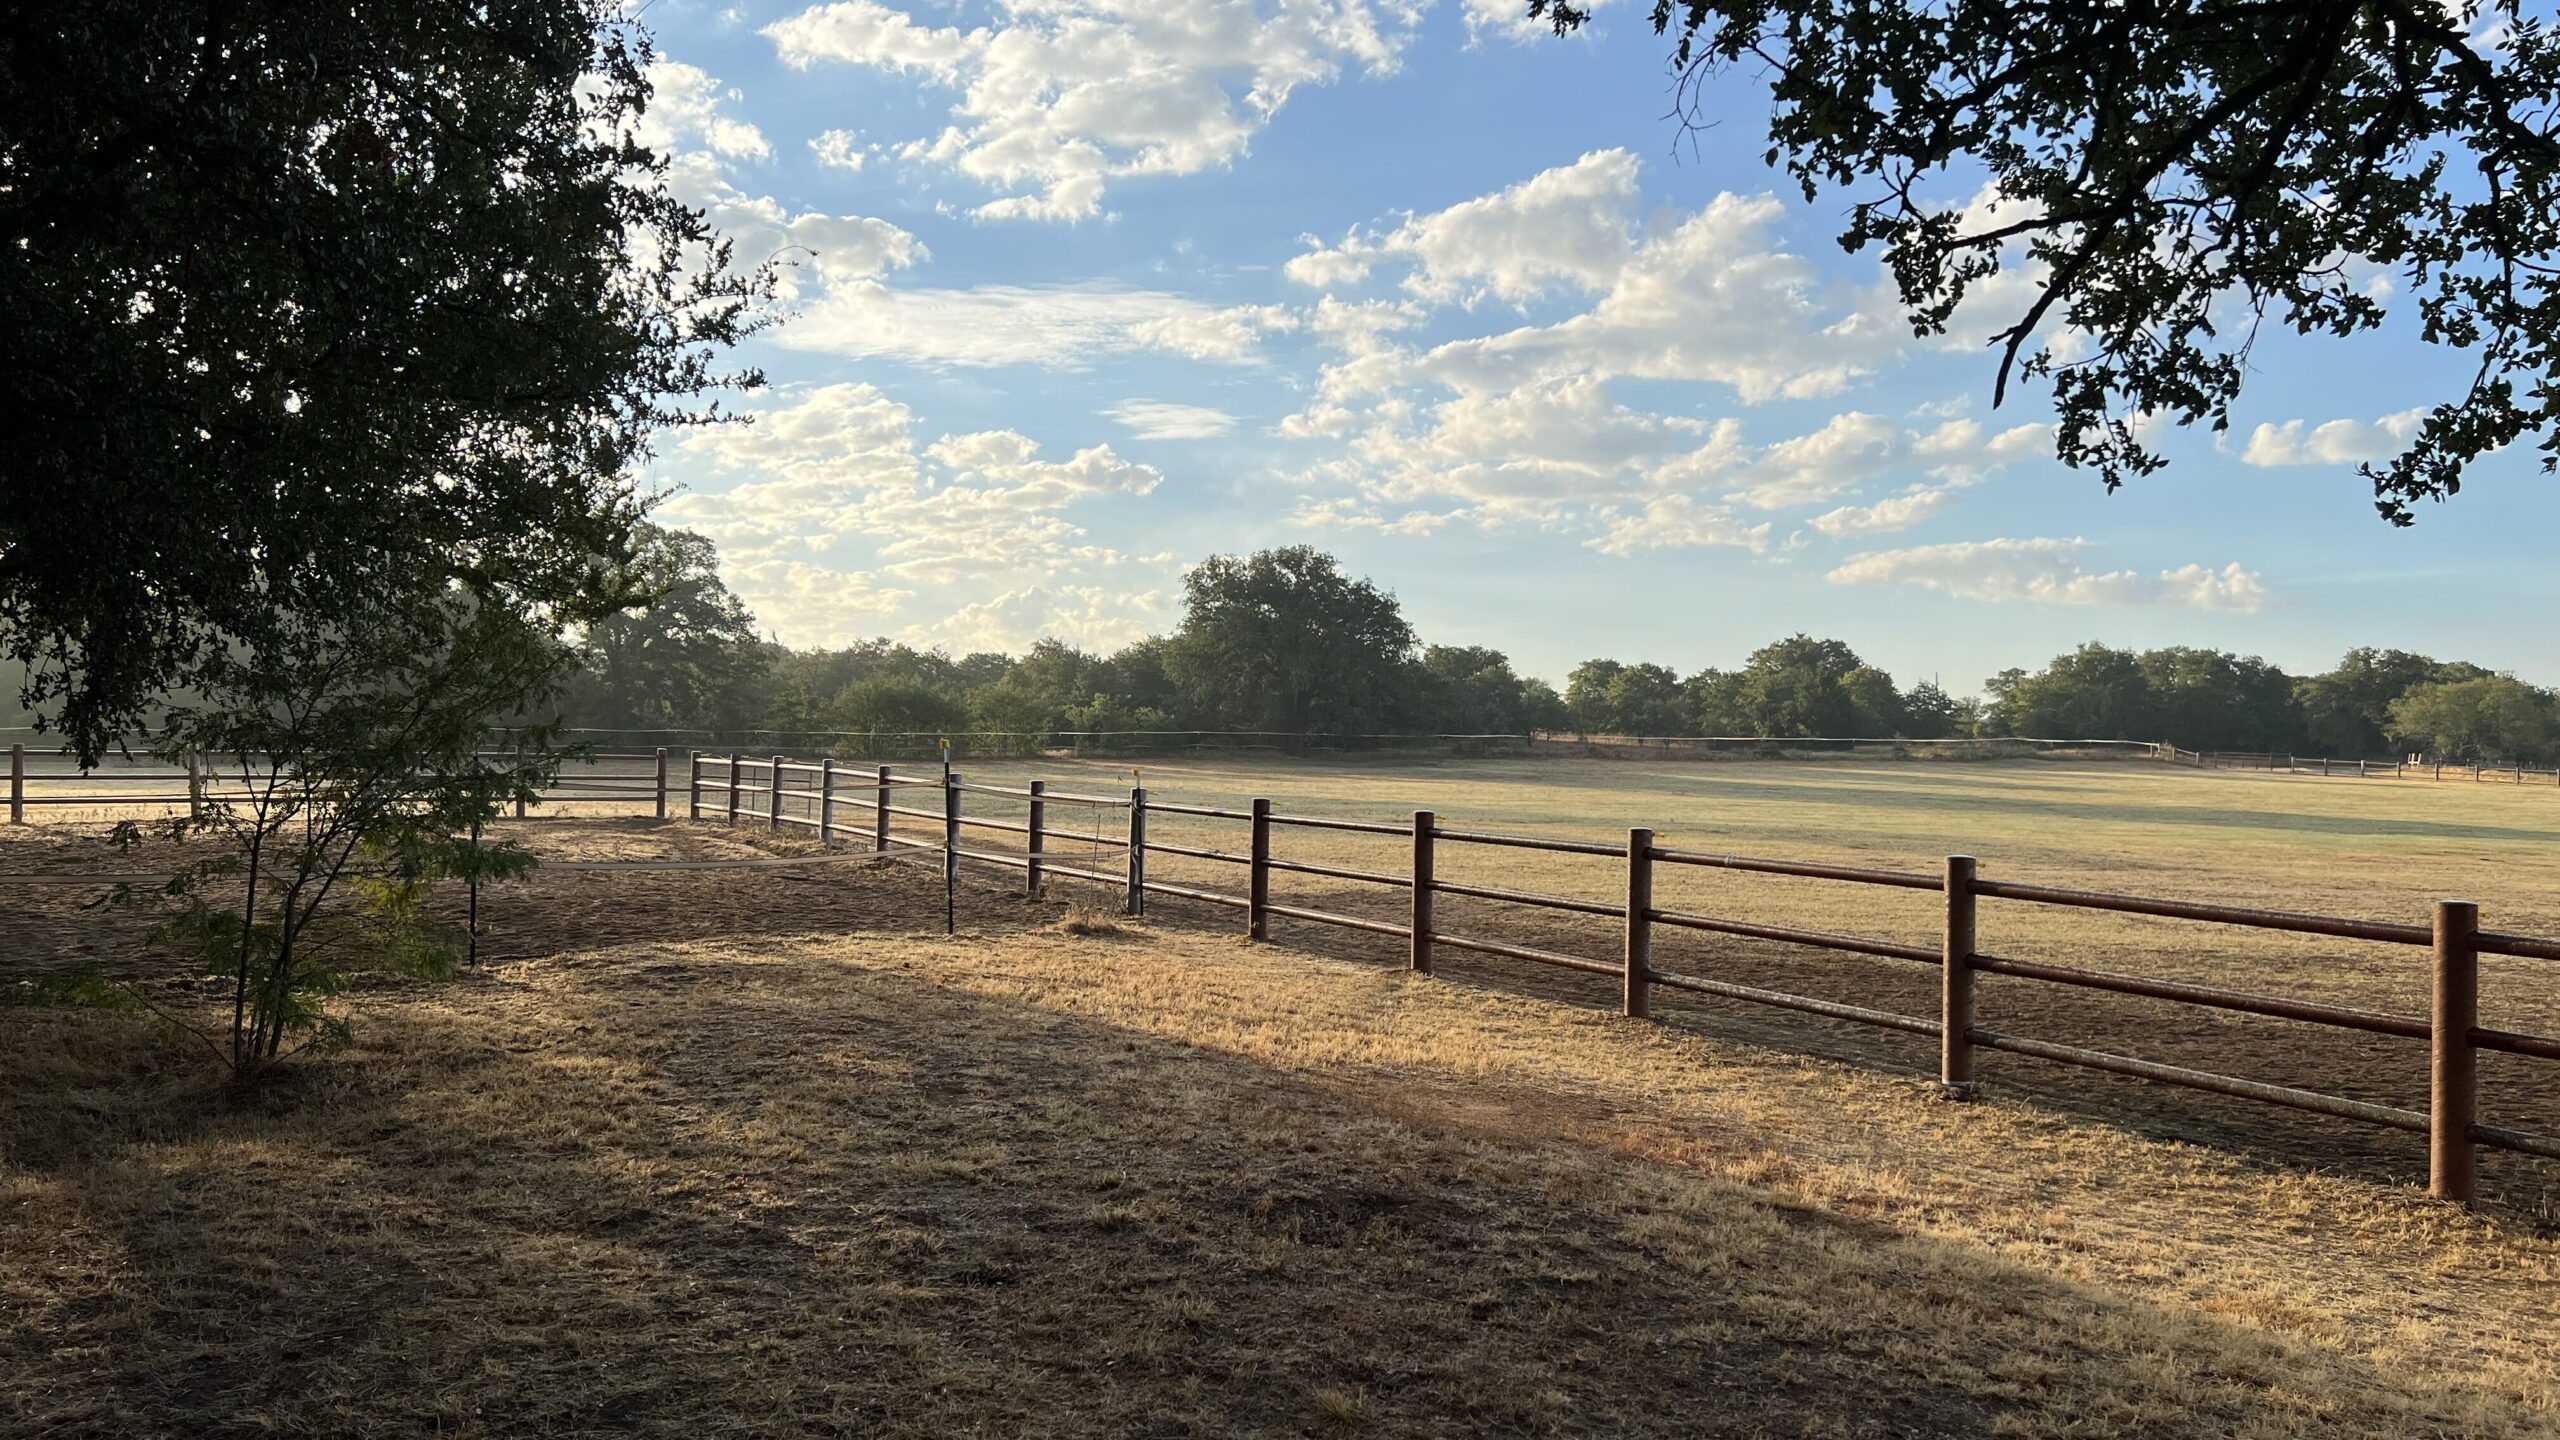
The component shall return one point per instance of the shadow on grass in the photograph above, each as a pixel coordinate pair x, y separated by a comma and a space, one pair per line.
2516, 1092
733, 1194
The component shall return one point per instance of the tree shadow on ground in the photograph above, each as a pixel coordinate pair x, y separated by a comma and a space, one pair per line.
722, 1193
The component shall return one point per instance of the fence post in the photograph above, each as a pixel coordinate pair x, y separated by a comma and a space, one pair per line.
1137, 904
17, 784
520, 806
1425, 878
827, 800
950, 849
1257, 888
734, 758
2453, 1074
1639, 957
693, 787
880, 813
773, 809
1956, 976
662, 782
195, 785
1036, 844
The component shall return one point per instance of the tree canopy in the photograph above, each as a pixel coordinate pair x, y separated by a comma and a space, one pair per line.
293, 293
1283, 640
2162, 181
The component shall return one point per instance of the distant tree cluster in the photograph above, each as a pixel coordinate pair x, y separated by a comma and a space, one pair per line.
1284, 641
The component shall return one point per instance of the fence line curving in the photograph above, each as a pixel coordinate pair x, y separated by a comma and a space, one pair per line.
2452, 1028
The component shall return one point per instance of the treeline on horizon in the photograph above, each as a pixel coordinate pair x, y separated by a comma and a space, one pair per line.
1284, 641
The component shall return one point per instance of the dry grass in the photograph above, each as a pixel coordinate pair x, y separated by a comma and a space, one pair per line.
1025, 1181
2379, 849
764, 1153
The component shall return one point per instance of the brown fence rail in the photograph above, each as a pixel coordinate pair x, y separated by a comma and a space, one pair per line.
639, 778
861, 804
737, 786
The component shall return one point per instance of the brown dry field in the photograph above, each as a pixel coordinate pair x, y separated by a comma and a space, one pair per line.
760, 1152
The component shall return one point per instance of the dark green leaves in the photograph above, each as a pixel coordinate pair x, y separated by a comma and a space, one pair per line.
2168, 179
298, 299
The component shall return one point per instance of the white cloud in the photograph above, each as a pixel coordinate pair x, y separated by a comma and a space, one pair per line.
703, 145
685, 109
1572, 226
2338, 442
1165, 420
1899, 512
806, 604
1053, 325
1710, 298
838, 149
1061, 97
862, 33
836, 251
2051, 572
1680, 522
841, 464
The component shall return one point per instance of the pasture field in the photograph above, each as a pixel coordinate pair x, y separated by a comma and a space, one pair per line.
2368, 849
762, 1152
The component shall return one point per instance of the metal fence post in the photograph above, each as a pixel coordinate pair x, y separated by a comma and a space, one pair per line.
1425, 887
1257, 889
1956, 979
1639, 951
17, 784
734, 758
827, 800
2453, 1074
1137, 904
1036, 842
662, 782
880, 813
693, 787
950, 850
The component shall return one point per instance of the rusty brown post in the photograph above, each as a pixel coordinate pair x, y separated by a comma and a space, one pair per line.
662, 782
1036, 844
826, 800
1956, 979
880, 813
17, 784
693, 788
1257, 890
1425, 886
734, 758
2453, 1090
1639, 957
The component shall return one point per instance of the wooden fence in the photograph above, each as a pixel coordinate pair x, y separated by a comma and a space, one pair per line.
2360, 769
587, 780
865, 804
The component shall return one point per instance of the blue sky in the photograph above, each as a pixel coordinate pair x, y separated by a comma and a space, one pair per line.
1089, 289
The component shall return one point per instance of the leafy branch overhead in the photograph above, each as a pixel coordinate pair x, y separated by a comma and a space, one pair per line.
292, 294
2165, 178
